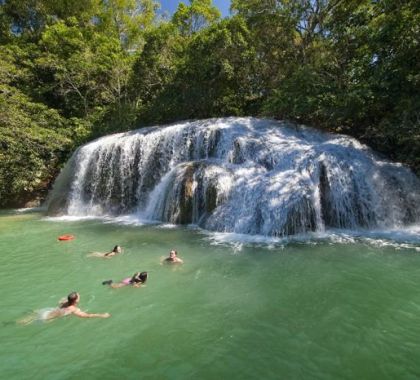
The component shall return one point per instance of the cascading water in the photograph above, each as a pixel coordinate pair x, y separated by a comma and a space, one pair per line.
241, 175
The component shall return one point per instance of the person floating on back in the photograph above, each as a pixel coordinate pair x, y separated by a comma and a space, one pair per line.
173, 258
67, 307
116, 250
137, 280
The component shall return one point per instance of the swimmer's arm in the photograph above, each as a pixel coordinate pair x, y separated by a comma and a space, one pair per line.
136, 285
82, 314
96, 254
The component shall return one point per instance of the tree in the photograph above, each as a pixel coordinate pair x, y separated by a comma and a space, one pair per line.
30, 17
128, 19
81, 69
33, 138
217, 77
209, 74
381, 58
199, 14
154, 69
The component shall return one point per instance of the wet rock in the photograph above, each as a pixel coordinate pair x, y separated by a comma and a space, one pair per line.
186, 196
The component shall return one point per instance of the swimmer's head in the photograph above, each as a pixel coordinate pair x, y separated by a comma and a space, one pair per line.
136, 278
172, 254
117, 249
143, 277
139, 277
72, 299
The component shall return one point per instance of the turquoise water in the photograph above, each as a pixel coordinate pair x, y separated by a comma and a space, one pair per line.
315, 309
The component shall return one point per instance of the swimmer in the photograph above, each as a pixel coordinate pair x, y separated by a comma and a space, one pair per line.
117, 249
67, 307
173, 258
138, 279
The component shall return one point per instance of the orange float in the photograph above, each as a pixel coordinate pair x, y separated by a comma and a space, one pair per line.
65, 237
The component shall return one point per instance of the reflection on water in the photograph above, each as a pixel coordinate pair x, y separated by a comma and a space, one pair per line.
334, 306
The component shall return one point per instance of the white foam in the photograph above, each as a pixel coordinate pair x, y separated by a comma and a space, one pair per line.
408, 238
401, 239
30, 209
241, 175
217, 238
167, 226
72, 218
131, 220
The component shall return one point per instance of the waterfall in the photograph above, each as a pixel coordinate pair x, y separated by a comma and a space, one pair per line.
243, 175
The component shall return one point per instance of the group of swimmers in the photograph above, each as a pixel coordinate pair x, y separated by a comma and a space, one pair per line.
69, 306
172, 258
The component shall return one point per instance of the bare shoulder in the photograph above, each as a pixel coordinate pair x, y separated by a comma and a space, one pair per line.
73, 310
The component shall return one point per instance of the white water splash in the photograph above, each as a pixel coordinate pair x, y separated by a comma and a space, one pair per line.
401, 239
238, 175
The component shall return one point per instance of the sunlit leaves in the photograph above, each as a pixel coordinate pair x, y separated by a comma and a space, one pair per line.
191, 18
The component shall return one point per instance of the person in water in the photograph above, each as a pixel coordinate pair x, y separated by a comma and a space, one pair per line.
68, 306
117, 249
137, 280
173, 258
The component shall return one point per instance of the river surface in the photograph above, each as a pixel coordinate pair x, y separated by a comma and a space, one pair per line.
339, 306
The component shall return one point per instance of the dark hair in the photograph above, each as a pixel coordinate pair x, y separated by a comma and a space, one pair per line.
116, 248
71, 300
139, 277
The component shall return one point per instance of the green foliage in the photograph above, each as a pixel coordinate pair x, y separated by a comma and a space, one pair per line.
29, 17
80, 70
199, 14
154, 70
128, 19
63, 68
215, 78
33, 137
342, 66
202, 76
